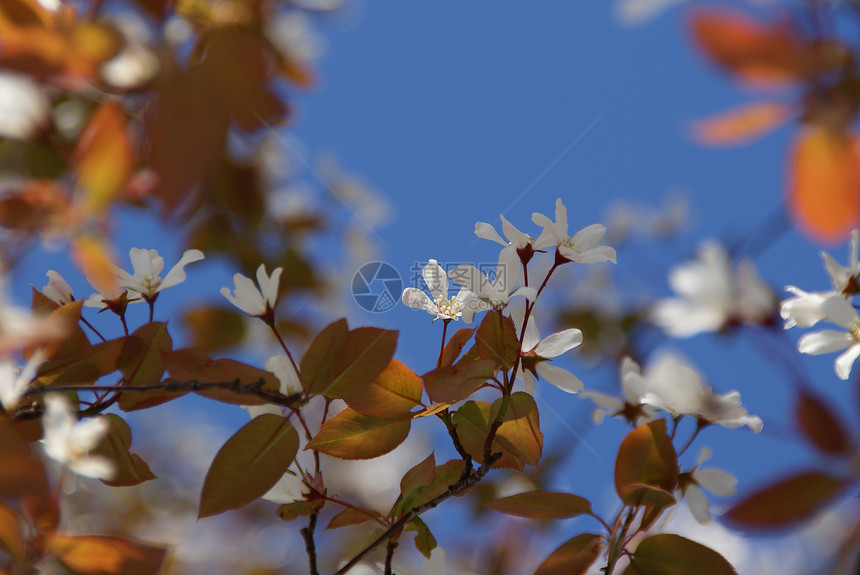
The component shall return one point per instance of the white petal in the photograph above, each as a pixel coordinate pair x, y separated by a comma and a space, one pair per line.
719, 482
247, 297
283, 369
288, 489
269, 284
704, 454
804, 309
840, 311
826, 341
436, 565
517, 238
587, 238
88, 433
487, 232
845, 361
57, 289
528, 382
436, 280
603, 400
561, 378
176, 275
417, 299
258, 410
697, 503
558, 343
531, 338
597, 255
469, 277
94, 466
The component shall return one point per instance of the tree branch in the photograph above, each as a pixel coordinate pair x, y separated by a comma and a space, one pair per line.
308, 534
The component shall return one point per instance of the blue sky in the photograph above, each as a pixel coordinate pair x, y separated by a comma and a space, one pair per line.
456, 112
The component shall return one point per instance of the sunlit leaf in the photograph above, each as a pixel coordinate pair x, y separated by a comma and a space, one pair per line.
573, 557
141, 363
97, 555
418, 490
472, 422
352, 516
821, 425
455, 345
130, 468
105, 157
368, 351
395, 392
646, 456
424, 540
453, 383
542, 505
520, 429
755, 53
668, 554
249, 464
786, 502
294, 510
496, 339
741, 125
93, 257
824, 183
353, 435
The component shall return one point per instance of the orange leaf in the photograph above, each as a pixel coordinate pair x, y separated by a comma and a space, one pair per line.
96, 555
105, 157
824, 183
645, 456
756, 54
395, 392
353, 435
93, 257
741, 125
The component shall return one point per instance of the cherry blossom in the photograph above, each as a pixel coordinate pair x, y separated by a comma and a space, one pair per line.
282, 367
57, 289
839, 311
804, 309
440, 306
696, 482
14, 382
712, 296
517, 241
147, 265
69, 442
255, 301
581, 248
289, 489
630, 406
492, 293
536, 353
845, 278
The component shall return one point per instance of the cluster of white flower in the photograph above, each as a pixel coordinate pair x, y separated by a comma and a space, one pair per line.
806, 309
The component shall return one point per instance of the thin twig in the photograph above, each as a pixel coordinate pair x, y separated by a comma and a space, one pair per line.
389, 554
308, 534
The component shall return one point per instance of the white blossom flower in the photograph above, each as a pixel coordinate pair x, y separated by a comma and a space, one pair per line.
436, 564
720, 483
282, 367
630, 405
248, 298
582, 247
839, 311
516, 240
57, 289
147, 265
440, 306
69, 442
289, 489
712, 296
13, 383
492, 293
674, 386
804, 309
536, 353
24, 107
845, 278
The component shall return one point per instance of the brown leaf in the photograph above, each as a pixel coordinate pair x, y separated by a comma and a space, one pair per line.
454, 383
520, 429
824, 183
353, 435
787, 502
395, 392
754, 53
741, 125
646, 456
130, 468
573, 557
668, 553
97, 555
455, 345
542, 505
820, 424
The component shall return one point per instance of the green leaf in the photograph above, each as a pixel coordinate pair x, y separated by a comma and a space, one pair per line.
455, 345
131, 469
414, 483
294, 510
424, 540
453, 383
353, 435
351, 516
789, 501
472, 422
668, 554
444, 476
395, 392
496, 339
573, 557
249, 464
647, 456
520, 430
542, 505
